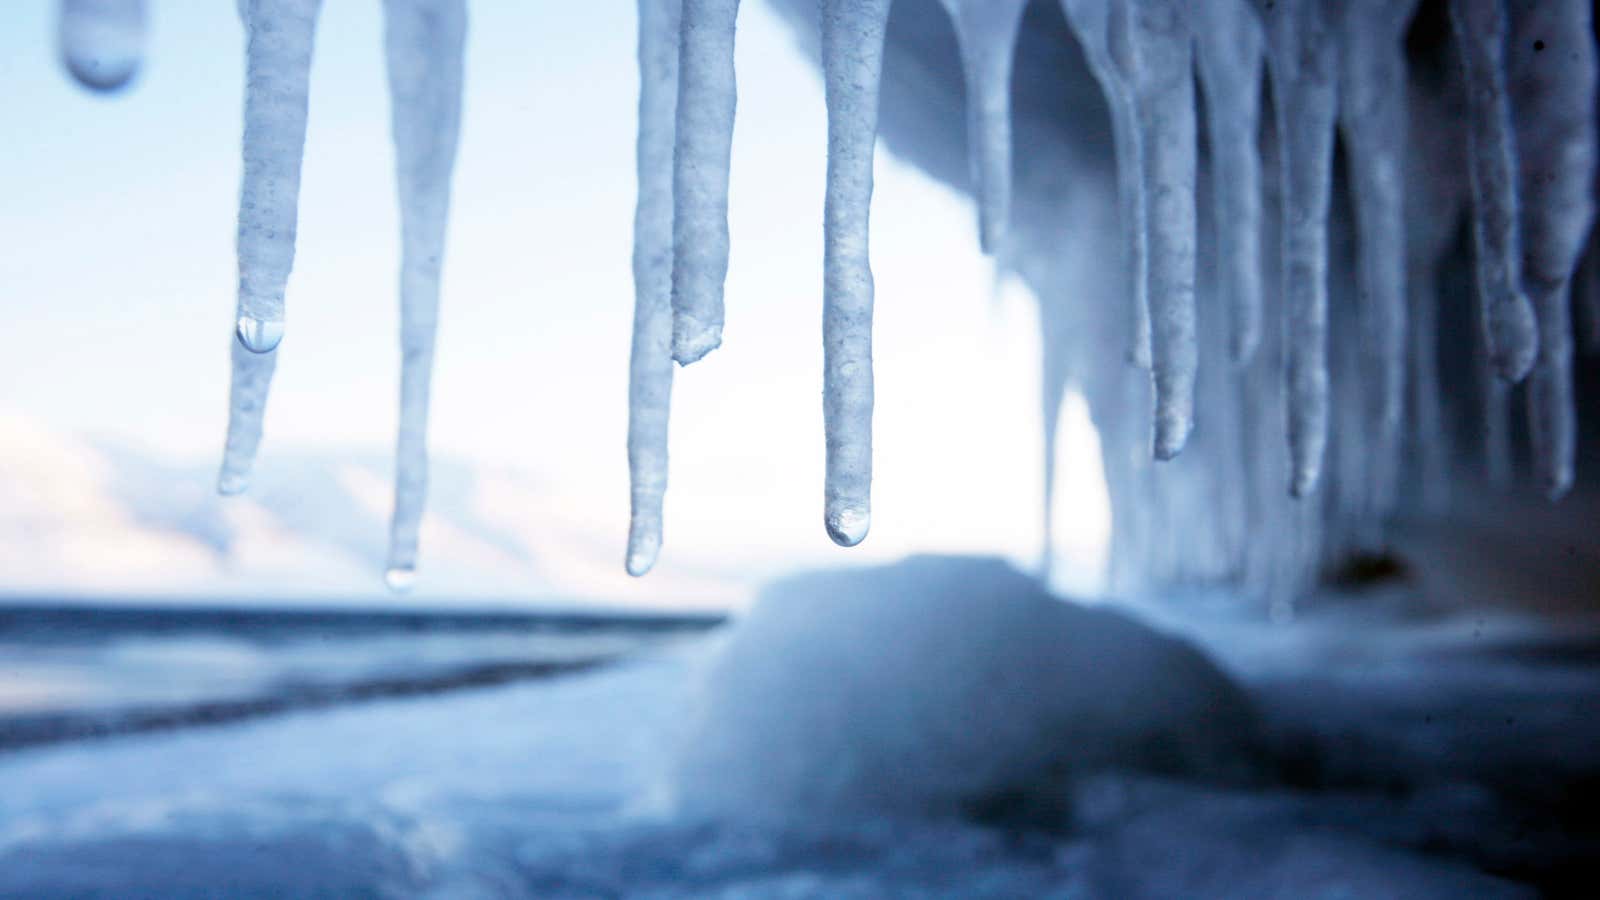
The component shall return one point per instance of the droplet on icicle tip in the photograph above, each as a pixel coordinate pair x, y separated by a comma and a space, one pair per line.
258, 335
400, 579
232, 484
848, 525
642, 555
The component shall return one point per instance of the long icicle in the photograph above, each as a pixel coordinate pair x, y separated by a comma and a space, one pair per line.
1551, 78
424, 40
1303, 61
1508, 319
277, 84
703, 143
650, 362
1102, 33
1228, 53
1372, 115
102, 41
852, 62
1164, 95
987, 33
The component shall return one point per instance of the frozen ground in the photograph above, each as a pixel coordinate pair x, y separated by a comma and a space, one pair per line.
1440, 756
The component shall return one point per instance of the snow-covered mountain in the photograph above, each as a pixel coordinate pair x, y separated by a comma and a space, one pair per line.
93, 518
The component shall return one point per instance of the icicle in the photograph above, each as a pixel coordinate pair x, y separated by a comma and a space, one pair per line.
1228, 48
276, 86
1102, 33
650, 363
1480, 31
1551, 72
252, 374
852, 60
1303, 61
1373, 118
987, 33
102, 41
703, 141
1164, 96
423, 41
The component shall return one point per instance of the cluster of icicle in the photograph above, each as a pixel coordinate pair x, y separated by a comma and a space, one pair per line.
1335, 67
101, 44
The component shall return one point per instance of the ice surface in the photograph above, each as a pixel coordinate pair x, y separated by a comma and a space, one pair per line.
102, 41
650, 362
702, 142
986, 31
424, 40
852, 61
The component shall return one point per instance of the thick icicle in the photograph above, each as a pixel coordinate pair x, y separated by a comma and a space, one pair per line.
1508, 319
852, 60
278, 54
1228, 48
650, 362
1551, 79
102, 41
1303, 61
1164, 96
424, 42
1102, 32
987, 33
703, 142
1372, 115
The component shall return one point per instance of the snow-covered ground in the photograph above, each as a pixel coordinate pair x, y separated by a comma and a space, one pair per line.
1397, 757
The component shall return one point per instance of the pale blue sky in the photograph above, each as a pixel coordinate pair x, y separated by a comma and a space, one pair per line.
117, 217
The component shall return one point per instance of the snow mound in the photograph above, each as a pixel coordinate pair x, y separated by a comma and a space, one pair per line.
940, 685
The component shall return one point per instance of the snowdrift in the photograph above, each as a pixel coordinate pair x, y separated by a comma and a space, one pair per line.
941, 685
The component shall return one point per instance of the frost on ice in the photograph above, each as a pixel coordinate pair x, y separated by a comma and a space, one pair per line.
423, 42
650, 363
102, 41
1294, 320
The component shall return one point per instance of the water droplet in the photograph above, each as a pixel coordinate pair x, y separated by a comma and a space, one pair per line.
230, 484
259, 335
102, 44
848, 525
643, 549
400, 578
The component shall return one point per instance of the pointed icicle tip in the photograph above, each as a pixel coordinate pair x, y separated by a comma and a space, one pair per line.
258, 335
848, 525
232, 484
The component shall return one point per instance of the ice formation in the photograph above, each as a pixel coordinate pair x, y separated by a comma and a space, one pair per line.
987, 33
1285, 301
650, 364
424, 40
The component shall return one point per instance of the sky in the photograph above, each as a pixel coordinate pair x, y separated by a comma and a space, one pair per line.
119, 277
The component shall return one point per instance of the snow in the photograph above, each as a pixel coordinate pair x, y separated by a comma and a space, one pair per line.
550, 788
